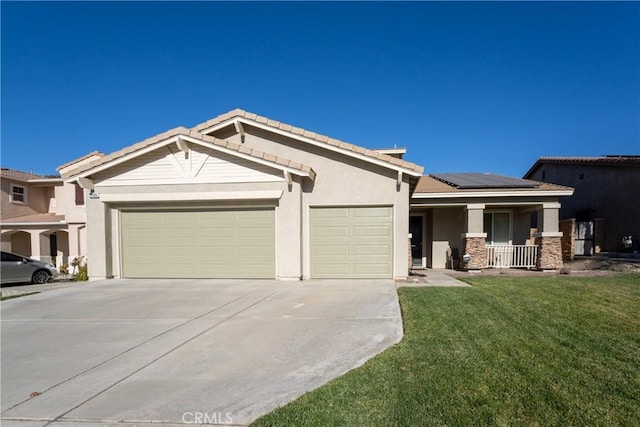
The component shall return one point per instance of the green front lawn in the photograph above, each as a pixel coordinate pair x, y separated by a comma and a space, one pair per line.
509, 351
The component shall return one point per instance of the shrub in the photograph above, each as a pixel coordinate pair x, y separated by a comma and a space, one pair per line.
83, 274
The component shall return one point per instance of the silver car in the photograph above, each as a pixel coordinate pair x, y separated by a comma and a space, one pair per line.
17, 269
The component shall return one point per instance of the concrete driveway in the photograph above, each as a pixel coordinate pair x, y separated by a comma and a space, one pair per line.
139, 352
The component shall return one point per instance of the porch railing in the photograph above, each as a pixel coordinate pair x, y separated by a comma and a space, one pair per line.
511, 256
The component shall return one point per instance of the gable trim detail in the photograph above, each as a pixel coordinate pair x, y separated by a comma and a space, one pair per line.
182, 136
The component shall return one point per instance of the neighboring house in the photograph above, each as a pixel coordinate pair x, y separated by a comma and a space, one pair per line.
244, 196
42, 217
606, 204
488, 217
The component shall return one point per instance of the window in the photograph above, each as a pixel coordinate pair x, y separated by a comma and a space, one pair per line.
79, 195
497, 225
18, 194
7, 257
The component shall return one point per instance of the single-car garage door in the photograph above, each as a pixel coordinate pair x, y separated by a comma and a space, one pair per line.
352, 242
237, 243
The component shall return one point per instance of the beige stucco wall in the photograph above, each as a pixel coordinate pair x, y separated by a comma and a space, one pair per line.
65, 204
340, 181
50, 198
37, 199
448, 225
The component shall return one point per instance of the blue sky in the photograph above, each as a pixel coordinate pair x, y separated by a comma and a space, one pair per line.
485, 87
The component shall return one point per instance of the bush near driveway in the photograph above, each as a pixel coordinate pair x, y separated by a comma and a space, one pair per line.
508, 351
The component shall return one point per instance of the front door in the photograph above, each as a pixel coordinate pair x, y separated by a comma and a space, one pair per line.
415, 228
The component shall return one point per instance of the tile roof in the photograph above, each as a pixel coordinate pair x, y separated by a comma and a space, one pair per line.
19, 175
35, 218
428, 184
194, 134
610, 160
79, 159
312, 135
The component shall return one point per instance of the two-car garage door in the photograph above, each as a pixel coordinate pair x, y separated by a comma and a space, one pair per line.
238, 243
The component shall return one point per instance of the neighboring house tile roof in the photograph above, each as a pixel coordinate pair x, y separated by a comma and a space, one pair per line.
312, 135
35, 218
79, 159
194, 134
610, 160
17, 175
428, 184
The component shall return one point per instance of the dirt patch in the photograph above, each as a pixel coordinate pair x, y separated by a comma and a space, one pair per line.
584, 266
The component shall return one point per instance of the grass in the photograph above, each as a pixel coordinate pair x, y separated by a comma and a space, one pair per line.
12, 296
509, 351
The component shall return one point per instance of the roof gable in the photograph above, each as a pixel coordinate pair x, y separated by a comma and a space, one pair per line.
239, 117
169, 165
182, 137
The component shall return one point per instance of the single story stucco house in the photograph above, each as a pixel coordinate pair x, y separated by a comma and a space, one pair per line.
244, 196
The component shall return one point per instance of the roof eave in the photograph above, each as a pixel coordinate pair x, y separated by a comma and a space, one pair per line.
479, 194
231, 121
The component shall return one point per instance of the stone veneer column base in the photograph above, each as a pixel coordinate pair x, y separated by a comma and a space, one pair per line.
474, 246
549, 253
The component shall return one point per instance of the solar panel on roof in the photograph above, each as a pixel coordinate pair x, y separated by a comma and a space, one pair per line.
482, 180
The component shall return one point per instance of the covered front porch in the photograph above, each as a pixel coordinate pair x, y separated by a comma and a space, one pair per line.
45, 237
474, 228
493, 236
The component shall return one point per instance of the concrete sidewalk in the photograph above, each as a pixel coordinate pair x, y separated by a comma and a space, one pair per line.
170, 352
430, 277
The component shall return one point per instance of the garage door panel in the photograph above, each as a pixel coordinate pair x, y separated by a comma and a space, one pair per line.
332, 250
351, 242
371, 250
372, 231
332, 213
331, 269
199, 244
371, 269
331, 231
372, 212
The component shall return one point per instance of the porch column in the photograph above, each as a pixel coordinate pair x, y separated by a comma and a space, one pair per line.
36, 239
98, 240
74, 242
473, 241
5, 238
548, 238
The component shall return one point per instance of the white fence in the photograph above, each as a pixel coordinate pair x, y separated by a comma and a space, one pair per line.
511, 256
